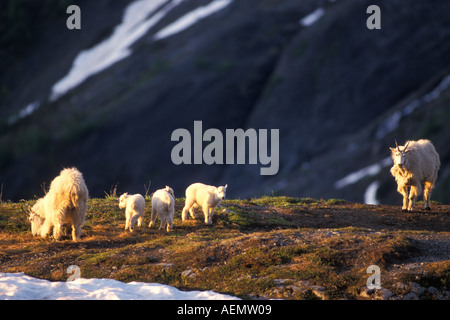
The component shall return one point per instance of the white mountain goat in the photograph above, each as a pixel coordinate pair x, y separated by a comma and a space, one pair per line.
65, 204
207, 197
163, 205
415, 163
134, 209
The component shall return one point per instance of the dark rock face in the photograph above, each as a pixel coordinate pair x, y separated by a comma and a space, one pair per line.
328, 88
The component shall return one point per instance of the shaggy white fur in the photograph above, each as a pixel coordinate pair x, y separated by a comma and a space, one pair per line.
207, 197
65, 204
163, 205
415, 163
134, 209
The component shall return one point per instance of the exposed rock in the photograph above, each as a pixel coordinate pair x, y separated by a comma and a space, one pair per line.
319, 291
402, 286
377, 294
384, 294
188, 273
417, 289
366, 292
410, 296
433, 291
282, 282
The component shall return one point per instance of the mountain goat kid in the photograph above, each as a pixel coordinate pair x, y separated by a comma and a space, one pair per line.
65, 204
207, 197
134, 209
415, 163
163, 205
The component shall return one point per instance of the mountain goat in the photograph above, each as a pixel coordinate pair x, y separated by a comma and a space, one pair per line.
65, 204
415, 163
207, 197
163, 205
134, 209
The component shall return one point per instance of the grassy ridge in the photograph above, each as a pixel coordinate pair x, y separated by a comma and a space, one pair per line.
272, 247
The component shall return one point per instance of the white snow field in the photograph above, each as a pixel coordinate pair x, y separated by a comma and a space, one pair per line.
139, 17
19, 286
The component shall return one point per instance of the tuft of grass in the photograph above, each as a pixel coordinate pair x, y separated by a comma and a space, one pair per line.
335, 201
244, 217
282, 201
112, 192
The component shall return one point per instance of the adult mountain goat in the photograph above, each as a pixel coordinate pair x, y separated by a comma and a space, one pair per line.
415, 163
65, 204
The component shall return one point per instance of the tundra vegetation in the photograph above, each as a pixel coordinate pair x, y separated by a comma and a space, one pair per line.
269, 247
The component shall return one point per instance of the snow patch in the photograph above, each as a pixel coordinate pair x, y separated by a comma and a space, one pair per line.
393, 121
368, 171
138, 18
389, 125
312, 18
191, 18
433, 95
25, 112
18, 286
370, 196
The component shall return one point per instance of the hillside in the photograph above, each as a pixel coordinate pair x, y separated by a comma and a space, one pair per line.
269, 247
107, 98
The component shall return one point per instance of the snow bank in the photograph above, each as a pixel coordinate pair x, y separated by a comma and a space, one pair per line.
138, 18
191, 18
18, 286
368, 171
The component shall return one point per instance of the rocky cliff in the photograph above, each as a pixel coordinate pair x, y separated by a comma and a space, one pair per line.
339, 93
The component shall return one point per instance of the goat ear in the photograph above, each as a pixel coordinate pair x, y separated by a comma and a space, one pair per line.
167, 188
392, 149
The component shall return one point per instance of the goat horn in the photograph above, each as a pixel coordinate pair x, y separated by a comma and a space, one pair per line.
396, 145
406, 146
25, 208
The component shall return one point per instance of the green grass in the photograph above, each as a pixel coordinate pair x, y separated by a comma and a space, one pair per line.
282, 201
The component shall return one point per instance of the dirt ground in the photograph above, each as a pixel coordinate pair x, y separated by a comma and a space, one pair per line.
271, 247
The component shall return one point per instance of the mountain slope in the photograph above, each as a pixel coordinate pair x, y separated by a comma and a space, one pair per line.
328, 87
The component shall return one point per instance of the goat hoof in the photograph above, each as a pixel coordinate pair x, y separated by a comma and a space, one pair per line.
404, 210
